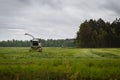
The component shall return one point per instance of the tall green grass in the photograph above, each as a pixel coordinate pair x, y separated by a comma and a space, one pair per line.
60, 64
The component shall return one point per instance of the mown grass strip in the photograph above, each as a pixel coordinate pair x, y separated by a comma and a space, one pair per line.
106, 55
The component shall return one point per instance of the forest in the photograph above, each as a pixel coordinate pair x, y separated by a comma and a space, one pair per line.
98, 34
45, 43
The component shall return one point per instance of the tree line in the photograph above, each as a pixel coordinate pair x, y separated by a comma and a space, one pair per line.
45, 43
96, 34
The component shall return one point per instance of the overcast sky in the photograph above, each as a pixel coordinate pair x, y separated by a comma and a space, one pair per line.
56, 19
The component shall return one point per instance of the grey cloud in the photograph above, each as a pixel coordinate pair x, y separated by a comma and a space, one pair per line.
113, 5
51, 18
25, 2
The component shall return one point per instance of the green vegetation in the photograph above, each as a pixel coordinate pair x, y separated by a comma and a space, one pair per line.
45, 43
99, 33
60, 64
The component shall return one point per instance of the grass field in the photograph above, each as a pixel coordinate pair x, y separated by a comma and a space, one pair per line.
60, 64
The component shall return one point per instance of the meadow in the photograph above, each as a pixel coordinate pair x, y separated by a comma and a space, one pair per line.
60, 64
